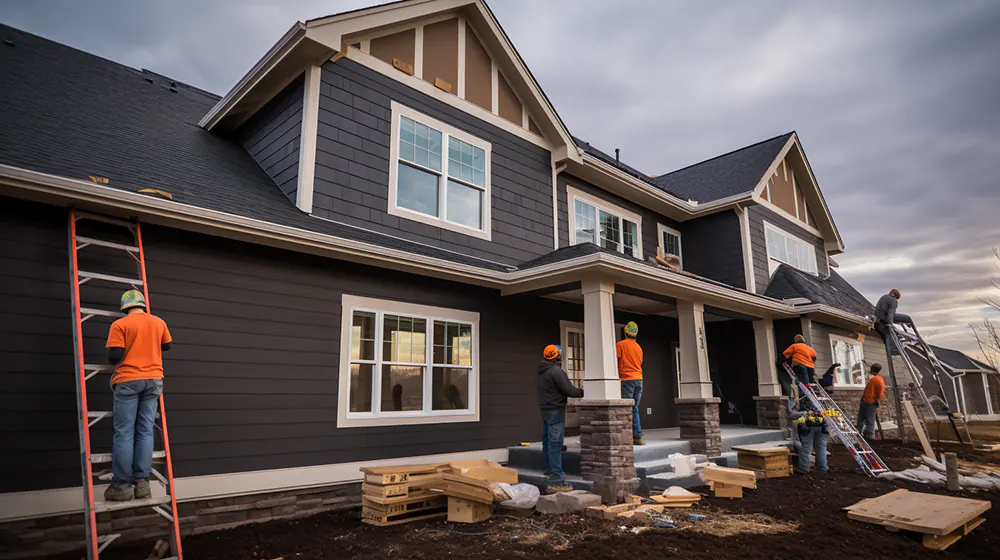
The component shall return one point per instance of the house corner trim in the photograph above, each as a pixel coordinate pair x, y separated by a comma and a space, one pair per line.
307, 141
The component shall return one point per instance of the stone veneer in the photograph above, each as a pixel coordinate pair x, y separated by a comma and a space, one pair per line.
32, 538
699, 422
606, 454
772, 412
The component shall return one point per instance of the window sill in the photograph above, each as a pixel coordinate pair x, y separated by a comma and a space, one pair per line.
440, 223
350, 421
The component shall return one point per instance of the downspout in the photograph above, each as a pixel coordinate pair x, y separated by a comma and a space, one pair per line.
556, 170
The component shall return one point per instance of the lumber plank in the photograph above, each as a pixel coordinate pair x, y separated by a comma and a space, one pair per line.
737, 477
925, 443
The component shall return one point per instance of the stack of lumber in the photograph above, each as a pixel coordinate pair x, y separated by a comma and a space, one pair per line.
460, 490
676, 497
729, 483
766, 461
942, 520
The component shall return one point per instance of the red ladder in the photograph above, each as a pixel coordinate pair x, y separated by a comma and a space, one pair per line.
87, 418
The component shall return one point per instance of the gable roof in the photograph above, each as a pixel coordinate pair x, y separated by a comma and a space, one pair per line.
959, 360
69, 113
790, 283
734, 173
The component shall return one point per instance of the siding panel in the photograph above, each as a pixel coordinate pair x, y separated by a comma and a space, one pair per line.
713, 248
272, 137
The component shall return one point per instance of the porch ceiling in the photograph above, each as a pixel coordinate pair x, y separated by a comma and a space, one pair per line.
635, 301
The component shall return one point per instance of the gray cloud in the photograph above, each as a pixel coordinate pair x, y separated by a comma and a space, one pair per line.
896, 103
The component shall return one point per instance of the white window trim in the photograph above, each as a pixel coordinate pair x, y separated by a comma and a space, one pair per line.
572, 195
770, 226
346, 419
660, 229
565, 328
833, 357
400, 110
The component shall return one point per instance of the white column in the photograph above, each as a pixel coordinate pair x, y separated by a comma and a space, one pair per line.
696, 381
600, 378
767, 372
807, 325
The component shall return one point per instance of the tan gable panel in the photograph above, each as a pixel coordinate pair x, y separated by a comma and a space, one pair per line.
533, 127
782, 193
812, 219
509, 105
441, 53
478, 72
400, 46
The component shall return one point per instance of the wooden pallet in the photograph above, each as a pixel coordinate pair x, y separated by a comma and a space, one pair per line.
414, 484
942, 520
765, 461
410, 510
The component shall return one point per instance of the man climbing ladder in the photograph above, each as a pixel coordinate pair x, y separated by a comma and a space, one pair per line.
136, 343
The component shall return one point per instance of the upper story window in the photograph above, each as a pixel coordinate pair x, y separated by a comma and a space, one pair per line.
438, 174
670, 240
849, 353
407, 364
783, 247
595, 221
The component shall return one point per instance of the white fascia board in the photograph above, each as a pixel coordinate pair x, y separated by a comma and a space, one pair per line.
833, 312
285, 45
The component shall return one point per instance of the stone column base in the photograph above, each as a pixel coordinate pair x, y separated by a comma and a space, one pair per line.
772, 412
699, 420
606, 453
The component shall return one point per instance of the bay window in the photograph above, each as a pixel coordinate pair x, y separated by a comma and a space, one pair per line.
785, 248
407, 364
438, 174
849, 353
595, 221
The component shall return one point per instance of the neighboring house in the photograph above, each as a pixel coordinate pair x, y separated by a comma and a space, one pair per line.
371, 238
970, 387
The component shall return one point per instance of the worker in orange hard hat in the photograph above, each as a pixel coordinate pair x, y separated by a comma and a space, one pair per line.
554, 387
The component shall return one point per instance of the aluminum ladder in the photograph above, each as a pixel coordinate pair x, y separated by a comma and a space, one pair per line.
938, 402
81, 313
821, 402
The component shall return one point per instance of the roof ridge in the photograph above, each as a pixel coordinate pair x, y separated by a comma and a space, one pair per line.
729, 153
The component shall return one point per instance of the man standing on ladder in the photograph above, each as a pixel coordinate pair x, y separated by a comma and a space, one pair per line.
135, 346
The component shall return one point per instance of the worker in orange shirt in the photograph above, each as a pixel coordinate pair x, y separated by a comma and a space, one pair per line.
135, 346
803, 359
870, 399
630, 372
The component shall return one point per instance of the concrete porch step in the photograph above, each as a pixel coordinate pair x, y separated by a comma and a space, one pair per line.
531, 458
536, 478
662, 481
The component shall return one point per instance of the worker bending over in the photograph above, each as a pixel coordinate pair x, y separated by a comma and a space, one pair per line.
802, 356
553, 389
630, 372
870, 399
135, 346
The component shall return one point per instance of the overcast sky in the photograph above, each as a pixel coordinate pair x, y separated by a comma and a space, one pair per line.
897, 103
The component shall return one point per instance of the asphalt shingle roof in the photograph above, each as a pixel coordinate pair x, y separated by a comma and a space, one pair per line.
70, 113
958, 360
788, 283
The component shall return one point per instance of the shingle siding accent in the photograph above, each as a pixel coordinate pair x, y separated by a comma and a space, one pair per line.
352, 168
649, 218
758, 245
272, 136
713, 248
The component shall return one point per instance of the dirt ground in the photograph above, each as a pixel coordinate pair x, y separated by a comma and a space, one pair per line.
795, 517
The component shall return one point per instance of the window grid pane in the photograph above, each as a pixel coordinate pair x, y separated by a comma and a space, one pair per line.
610, 231
630, 238
671, 244
419, 144
586, 222
466, 162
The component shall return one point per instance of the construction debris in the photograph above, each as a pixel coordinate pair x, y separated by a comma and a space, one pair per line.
729, 483
567, 502
677, 497
942, 520
767, 461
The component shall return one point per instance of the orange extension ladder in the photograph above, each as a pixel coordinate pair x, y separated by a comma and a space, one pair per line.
96, 543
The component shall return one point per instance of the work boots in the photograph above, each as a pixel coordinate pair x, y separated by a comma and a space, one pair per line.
142, 489
119, 492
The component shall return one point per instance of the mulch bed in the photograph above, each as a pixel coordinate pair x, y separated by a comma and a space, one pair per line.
795, 517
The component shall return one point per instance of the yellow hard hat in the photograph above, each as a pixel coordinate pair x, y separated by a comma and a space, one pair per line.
133, 298
631, 329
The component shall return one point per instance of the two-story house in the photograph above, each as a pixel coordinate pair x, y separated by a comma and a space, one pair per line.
368, 241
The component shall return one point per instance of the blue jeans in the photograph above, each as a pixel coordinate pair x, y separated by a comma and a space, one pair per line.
804, 373
553, 426
134, 414
812, 438
866, 419
632, 389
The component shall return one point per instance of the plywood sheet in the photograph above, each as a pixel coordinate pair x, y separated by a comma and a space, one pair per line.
441, 52
916, 511
509, 105
478, 72
400, 46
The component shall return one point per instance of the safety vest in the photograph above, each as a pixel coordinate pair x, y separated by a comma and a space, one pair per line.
810, 420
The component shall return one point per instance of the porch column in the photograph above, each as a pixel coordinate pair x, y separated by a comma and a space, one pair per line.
697, 409
771, 405
606, 454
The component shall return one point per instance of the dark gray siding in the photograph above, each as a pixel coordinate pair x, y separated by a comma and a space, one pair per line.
649, 218
272, 137
658, 337
352, 168
758, 246
713, 248
251, 382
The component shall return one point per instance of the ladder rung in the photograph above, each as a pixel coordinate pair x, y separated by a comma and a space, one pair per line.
97, 458
102, 312
109, 278
80, 215
105, 540
116, 506
81, 240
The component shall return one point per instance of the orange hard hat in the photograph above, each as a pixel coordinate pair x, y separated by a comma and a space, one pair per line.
552, 351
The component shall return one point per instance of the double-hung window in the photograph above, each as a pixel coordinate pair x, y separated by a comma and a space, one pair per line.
438, 174
669, 240
783, 247
407, 364
596, 221
849, 353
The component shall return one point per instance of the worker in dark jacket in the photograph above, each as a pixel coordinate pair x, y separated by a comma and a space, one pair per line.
554, 388
885, 311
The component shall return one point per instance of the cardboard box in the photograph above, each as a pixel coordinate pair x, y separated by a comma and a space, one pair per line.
484, 469
465, 511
